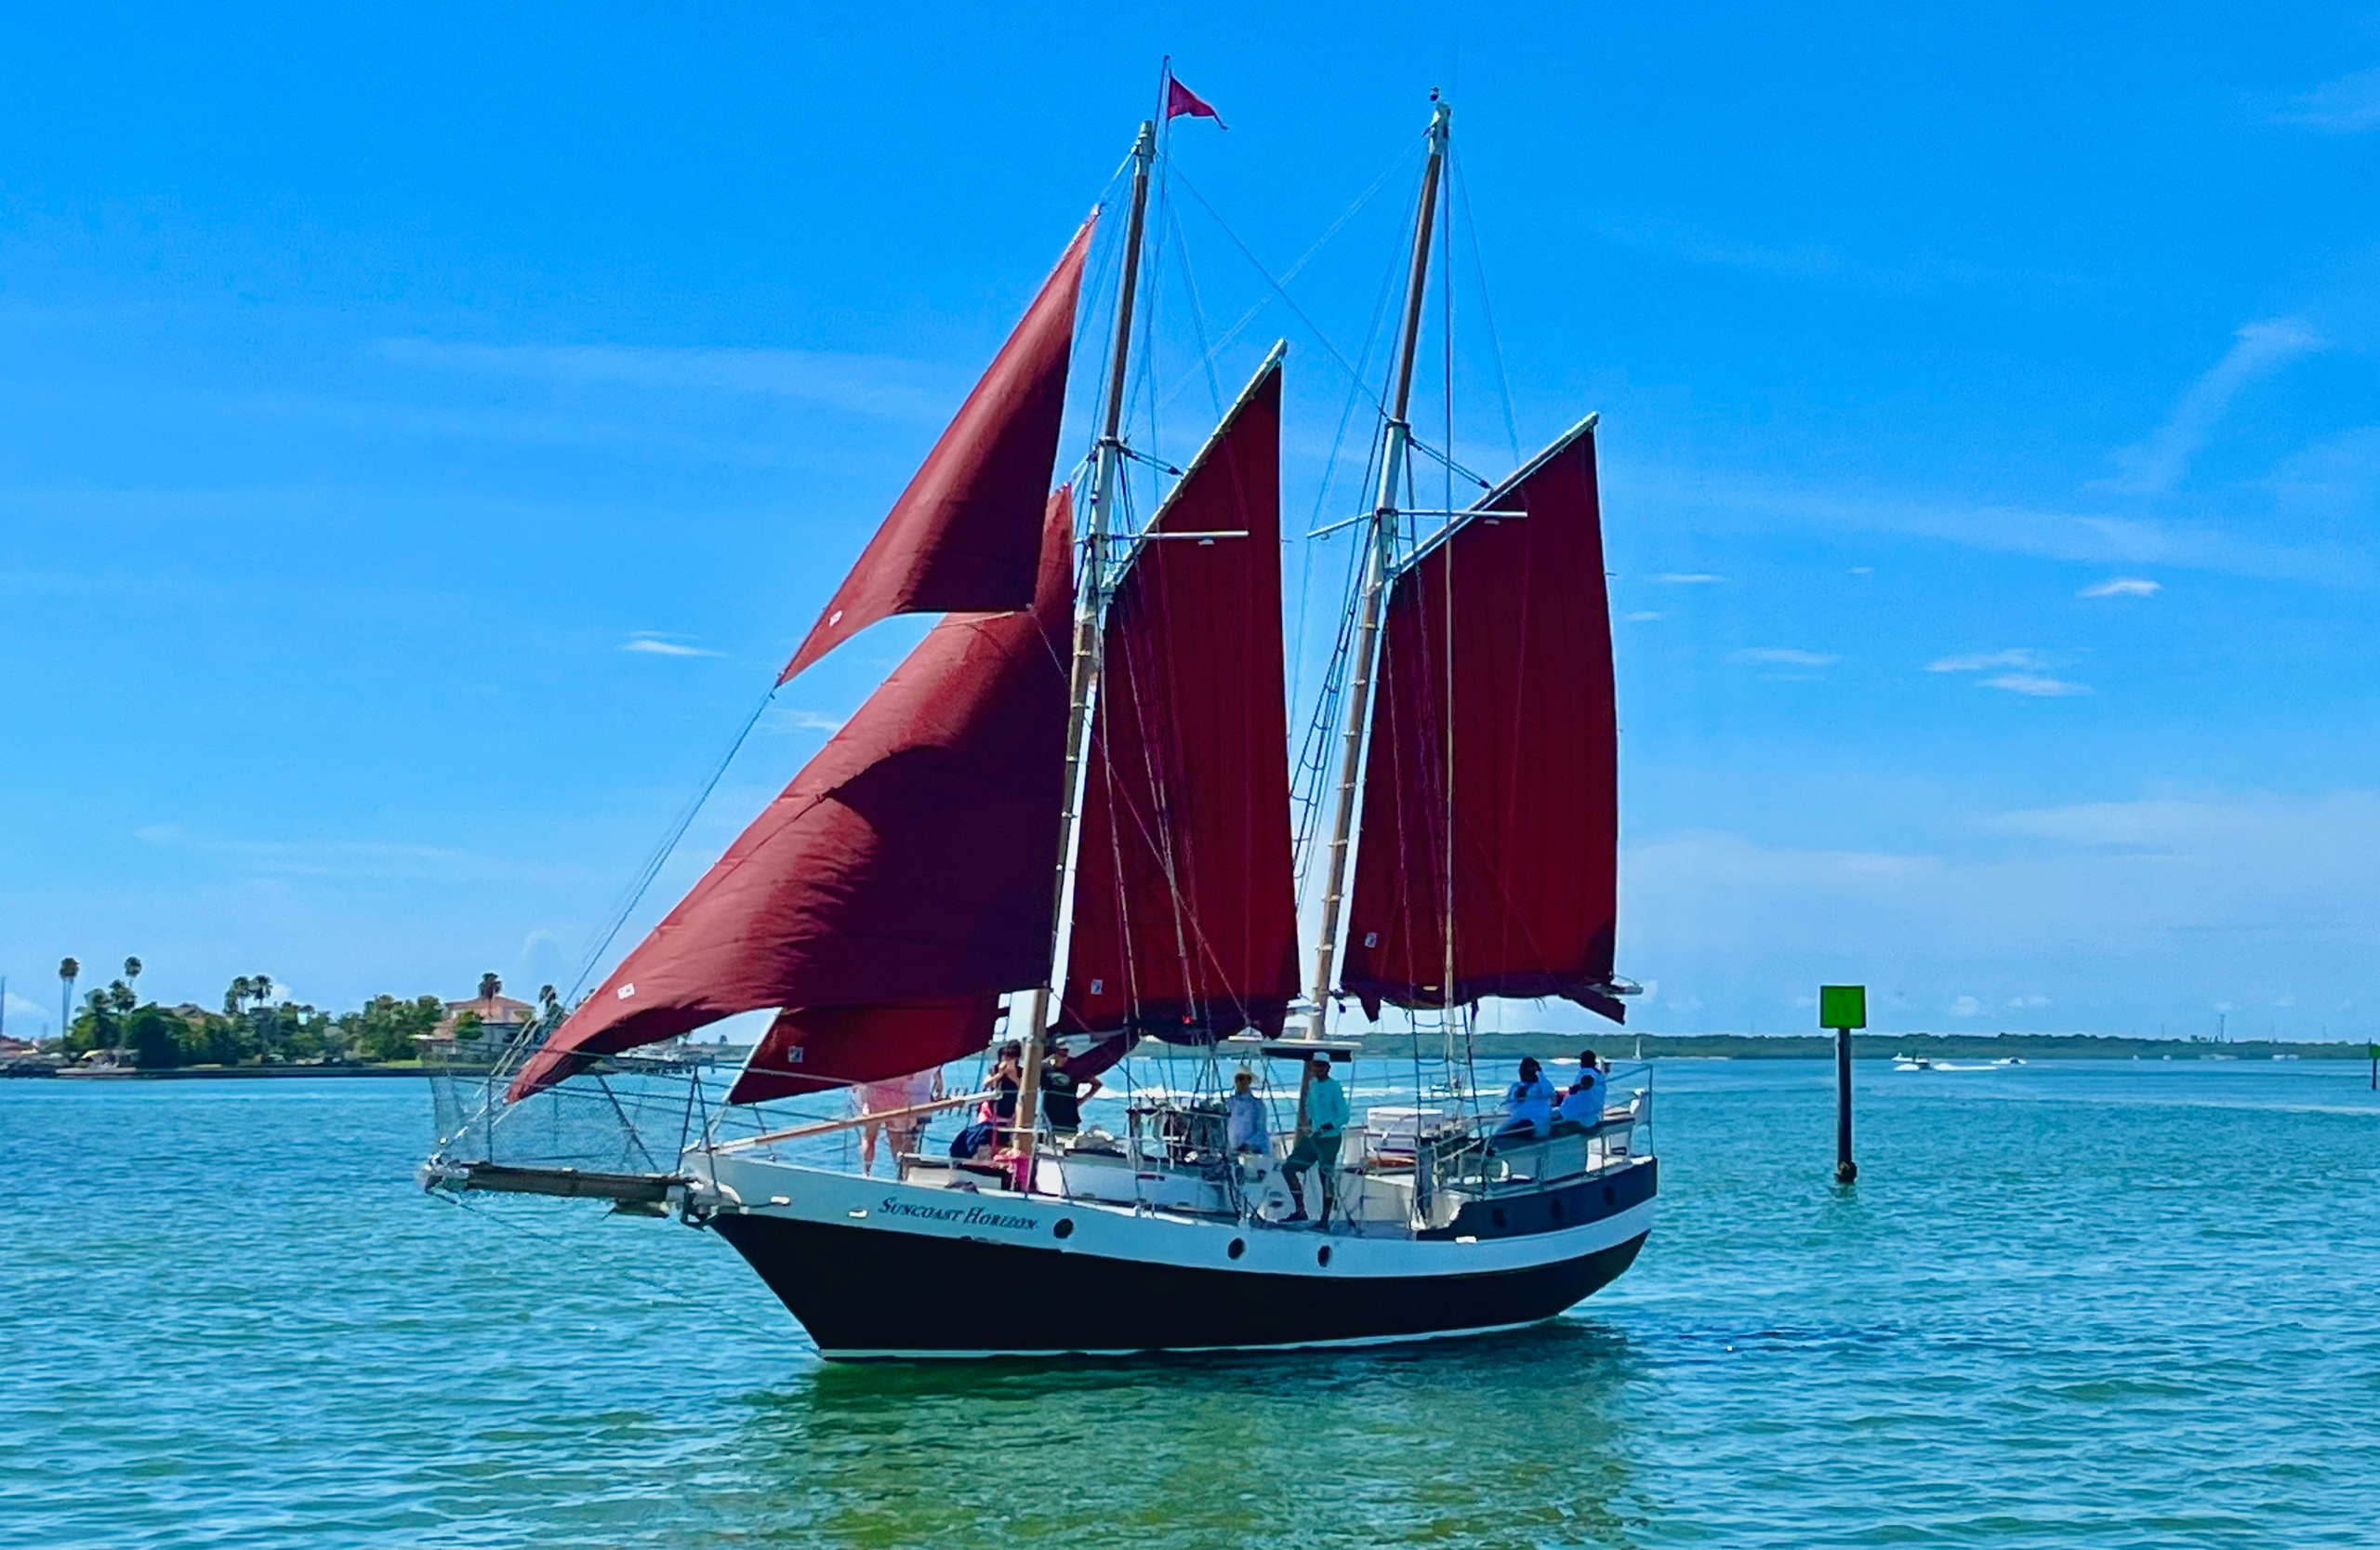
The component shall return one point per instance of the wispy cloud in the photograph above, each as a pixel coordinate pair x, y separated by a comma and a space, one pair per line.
1687, 578
2038, 685
653, 644
2021, 1002
2157, 464
2046, 532
344, 860
2122, 585
1784, 657
2346, 106
879, 385
1984, 661
805, 721
1646, 616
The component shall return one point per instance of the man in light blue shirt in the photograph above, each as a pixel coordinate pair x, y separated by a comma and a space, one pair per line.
1583, 1103
1317, 1145
1528, 1103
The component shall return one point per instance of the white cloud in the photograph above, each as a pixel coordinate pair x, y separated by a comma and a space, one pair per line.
2346, 106
879, 385
1984, 661
1863, 570
1687, 578
1966, 1006
806, 720
2157, 464
2122, 585
1644, 616
2036, 684
2021, 1002
1784, 657
2080, 535
651, 644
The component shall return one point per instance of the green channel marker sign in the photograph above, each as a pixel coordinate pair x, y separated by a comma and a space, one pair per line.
1842, 1006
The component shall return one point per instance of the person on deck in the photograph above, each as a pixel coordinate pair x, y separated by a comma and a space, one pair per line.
1244, 1126
1528, 1103
997, 1114
1582, 1101
1063, 1092
1317, 1144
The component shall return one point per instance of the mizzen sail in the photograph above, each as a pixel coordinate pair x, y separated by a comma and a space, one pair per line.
962, 536
1487, 858
1184, 908
912, 861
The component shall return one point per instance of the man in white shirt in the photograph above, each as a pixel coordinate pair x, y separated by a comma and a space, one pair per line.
1244, 1127
1528, 1103
1583, 1103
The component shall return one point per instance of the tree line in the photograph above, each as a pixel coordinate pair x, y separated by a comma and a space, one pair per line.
254, 1028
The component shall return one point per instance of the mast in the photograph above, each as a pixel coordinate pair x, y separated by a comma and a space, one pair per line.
1396, 436
1089, 603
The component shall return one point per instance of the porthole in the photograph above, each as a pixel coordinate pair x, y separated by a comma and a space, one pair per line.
1496, 1216
1558, 1209
1611, 1195
1238, 1247
1066, 1228
1322, 1256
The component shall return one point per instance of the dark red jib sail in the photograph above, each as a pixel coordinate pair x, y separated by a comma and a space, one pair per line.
1185, 913
1494, 758
962, 535
898, 885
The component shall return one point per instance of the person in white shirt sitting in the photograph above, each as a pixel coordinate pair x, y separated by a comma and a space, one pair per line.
1528, 1103
1582, 1102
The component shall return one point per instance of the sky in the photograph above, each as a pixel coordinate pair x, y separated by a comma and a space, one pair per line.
424, 433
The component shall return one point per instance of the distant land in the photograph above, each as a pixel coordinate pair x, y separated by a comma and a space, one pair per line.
1620, 1044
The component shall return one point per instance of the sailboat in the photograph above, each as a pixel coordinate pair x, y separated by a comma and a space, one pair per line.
1067, 816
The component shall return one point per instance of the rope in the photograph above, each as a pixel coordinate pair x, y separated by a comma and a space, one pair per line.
652, 868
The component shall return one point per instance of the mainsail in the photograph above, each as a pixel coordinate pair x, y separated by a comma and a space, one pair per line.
911, 862
1184, 907
1488, 859
962, 536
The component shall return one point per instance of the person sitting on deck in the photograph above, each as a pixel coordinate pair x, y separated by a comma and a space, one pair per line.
1582, 1101
1244, 1127
997, 1114
1062, 1093
1528, 1103
1317, 1144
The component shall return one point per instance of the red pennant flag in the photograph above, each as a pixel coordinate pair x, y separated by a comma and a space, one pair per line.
1180, 100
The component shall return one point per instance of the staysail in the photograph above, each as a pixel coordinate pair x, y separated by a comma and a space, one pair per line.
1184, 907
962, 536
1487, 861
897, 886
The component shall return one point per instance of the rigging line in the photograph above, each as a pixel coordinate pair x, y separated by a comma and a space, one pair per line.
1290, 273
1460, 182
653, 865
1287, 299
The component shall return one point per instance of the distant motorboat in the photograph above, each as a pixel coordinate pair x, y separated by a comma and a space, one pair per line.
1911, 1062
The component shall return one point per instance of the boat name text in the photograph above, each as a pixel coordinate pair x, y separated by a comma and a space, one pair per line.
971, 1216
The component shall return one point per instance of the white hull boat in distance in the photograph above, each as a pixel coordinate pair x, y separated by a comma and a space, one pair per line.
1073, 823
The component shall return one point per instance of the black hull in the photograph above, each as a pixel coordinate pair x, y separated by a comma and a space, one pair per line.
865, 1293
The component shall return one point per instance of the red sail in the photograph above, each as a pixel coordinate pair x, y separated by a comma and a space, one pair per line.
912, 860
962, 535
1185, 913
1495, 748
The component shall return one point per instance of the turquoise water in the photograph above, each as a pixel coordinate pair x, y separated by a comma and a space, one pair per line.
2101, 1305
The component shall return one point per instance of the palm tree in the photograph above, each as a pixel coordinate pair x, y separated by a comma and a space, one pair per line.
489, 986
132, 973
237, 996
260, 987
68, 972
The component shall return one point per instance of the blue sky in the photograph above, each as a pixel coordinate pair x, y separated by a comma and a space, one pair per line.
422, 435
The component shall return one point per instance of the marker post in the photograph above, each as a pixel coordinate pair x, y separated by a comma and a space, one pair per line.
1843, 1008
